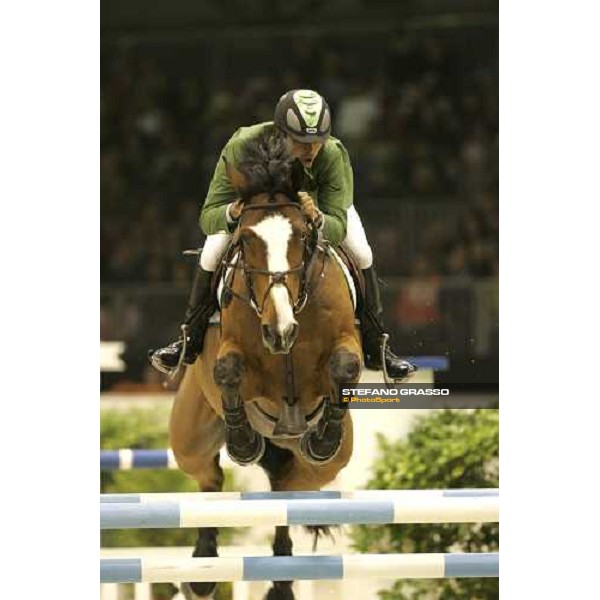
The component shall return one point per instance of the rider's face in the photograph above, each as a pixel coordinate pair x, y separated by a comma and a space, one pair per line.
305, 153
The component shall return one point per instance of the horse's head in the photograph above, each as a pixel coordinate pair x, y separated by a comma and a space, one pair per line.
274, 240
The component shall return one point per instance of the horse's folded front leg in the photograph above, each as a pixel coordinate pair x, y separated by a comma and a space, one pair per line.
244, 445
321, 443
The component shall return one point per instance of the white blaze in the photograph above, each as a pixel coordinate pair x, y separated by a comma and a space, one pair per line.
275, 231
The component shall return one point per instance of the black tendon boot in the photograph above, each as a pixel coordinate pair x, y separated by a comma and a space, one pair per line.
372, 332
201, 306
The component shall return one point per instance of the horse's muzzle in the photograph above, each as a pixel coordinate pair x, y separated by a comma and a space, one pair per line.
279, 343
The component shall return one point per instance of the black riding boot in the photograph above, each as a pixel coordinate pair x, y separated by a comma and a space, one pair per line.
200, 308
372, 331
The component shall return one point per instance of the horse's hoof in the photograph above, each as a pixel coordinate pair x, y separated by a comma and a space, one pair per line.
319, 450
198, 591
248, 455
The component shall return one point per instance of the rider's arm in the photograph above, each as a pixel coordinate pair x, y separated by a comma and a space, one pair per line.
214, 216
336, 191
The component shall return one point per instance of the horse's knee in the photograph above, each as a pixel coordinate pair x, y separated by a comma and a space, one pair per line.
344, 366
229, 369
205, 470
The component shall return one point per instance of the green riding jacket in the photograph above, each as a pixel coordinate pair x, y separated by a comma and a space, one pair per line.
329, 182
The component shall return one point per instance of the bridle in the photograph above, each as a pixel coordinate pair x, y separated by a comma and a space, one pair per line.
235, 260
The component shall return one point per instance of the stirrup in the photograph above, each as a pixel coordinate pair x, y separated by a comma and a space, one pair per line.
173, 371
384, 342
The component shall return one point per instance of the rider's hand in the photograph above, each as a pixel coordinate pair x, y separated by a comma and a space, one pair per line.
309, 209
235, 209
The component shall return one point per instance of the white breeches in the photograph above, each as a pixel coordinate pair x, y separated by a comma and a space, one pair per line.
213, 250
355, 241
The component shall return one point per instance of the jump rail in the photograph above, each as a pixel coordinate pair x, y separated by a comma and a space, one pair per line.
126, 459
418, 508
286, 568
150, 497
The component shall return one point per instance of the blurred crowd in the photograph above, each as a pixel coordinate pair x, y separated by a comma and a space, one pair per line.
420, 122
419, 115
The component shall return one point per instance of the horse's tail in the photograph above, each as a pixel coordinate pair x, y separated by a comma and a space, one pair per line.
320, 531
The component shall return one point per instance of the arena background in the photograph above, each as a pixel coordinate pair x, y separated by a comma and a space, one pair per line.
413, 88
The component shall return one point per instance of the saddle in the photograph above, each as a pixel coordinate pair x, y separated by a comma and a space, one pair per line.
357, 277
220, 274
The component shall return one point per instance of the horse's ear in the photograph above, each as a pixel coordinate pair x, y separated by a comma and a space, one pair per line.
237, 180
297, 176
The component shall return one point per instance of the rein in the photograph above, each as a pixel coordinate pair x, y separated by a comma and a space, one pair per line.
306, 267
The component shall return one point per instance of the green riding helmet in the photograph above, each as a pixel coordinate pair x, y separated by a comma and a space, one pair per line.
304, 115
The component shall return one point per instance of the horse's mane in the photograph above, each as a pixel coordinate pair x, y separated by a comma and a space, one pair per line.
267, 165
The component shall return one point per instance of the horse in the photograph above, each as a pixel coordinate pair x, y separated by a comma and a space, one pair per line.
266, 385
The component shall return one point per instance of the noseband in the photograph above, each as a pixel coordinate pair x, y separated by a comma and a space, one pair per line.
306, 266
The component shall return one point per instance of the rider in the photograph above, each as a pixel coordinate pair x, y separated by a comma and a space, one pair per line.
304, 118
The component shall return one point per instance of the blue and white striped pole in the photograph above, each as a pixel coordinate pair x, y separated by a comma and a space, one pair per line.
290, 568
127, 459
314, 495
247, 513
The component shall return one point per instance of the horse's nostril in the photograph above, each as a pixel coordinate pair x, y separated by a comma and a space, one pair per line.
279, 341
268, 332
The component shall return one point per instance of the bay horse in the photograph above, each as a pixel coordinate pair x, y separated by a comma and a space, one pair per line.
266, 384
